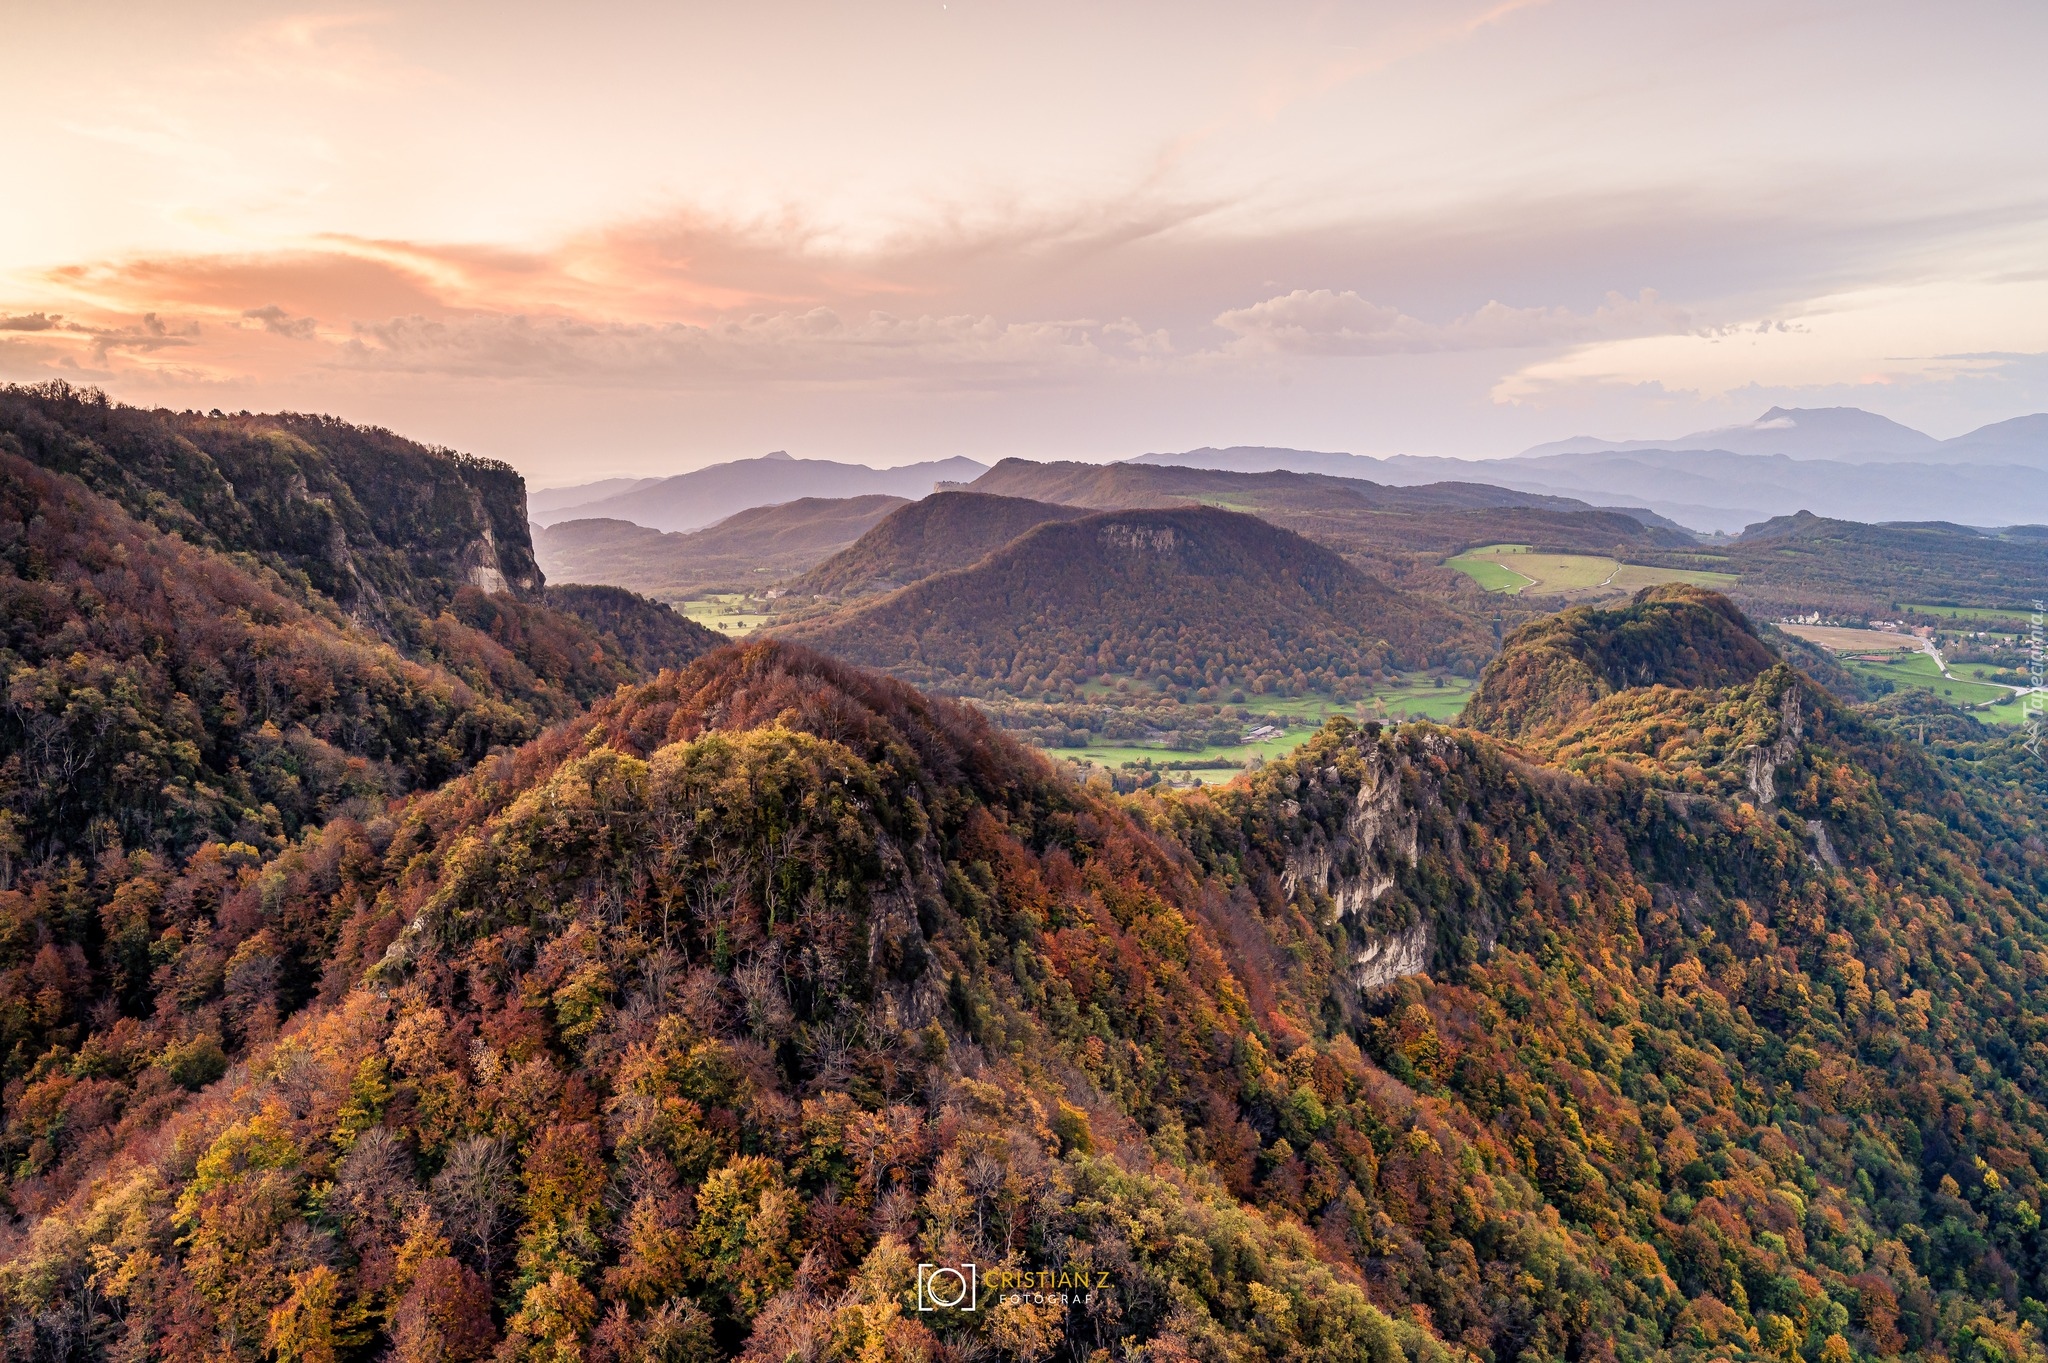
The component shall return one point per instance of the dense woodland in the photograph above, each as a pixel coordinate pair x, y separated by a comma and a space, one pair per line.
361, 517
689, 1029
413, 973
1794, 564
185, 675
1215, 603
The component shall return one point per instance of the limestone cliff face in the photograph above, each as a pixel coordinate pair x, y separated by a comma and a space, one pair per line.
375, 523
1765, 759
1139, 539
1356, 867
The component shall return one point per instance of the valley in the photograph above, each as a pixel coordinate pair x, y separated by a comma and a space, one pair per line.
1136, 740
1991, 686
734, 615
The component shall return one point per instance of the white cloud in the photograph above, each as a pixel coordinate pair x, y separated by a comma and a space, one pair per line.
1325, 322
816, 345
1873, 338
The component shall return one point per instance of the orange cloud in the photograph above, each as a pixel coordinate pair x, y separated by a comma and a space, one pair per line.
657, 301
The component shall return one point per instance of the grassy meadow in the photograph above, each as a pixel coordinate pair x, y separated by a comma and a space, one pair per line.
1514, 568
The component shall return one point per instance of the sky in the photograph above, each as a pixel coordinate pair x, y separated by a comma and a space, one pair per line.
613, 239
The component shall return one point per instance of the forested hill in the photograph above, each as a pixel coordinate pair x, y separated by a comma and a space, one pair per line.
367, 519
1194, 597
1555, 668
181, 675
1801, 563
1813, 558
693, 1027
944, 531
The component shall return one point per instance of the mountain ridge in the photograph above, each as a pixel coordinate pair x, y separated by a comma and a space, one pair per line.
1710, 490
760, 543
702, 497
936, 534
1843, 433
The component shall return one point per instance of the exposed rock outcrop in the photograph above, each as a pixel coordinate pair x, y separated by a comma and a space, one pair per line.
1766, 758
1356, 868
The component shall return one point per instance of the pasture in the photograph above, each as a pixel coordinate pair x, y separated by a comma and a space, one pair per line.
1515, 568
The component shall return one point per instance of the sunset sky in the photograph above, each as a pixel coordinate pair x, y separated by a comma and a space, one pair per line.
637, 238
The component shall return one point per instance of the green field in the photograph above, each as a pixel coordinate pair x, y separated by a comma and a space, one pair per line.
731, 614
1491, 575
1917, 670
2013, 619
1415, 696
1514, 568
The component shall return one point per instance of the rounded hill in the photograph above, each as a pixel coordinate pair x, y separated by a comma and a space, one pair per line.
1193, 597
1554, 669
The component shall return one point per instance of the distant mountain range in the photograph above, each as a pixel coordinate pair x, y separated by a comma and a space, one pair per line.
1849, 434
689, 501
1839, 462
748, 550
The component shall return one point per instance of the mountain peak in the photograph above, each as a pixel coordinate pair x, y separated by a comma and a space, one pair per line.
691, 501
1554, 669
1797, 432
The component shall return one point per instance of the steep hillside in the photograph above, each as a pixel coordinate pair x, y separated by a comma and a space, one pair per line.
376, 523
160, 695
647, 634
755, 547
1191, 598
946, 530
693, 1028
708, 495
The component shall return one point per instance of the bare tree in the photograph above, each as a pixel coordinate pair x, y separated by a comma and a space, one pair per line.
475, 1193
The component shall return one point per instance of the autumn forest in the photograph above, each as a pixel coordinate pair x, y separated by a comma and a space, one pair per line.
404, 957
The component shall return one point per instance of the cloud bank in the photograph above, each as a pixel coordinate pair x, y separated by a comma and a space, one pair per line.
1326, 322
